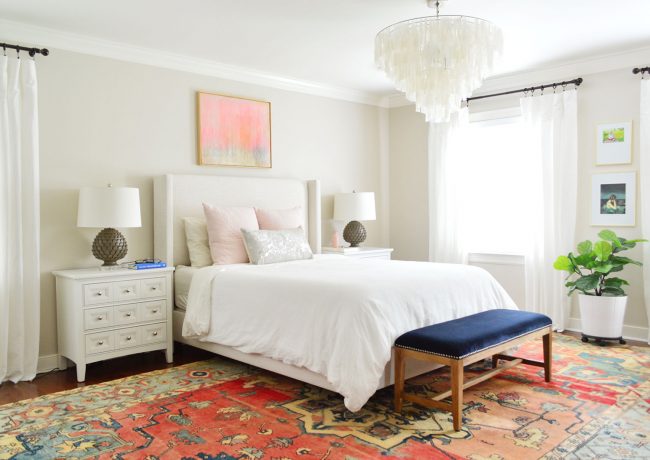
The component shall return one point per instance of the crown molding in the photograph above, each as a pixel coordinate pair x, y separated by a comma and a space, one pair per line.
57, 39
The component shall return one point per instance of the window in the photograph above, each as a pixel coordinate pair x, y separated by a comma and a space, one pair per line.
496, 170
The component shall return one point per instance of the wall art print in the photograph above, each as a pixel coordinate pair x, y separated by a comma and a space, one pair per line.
613, 199
614, 143
233, 131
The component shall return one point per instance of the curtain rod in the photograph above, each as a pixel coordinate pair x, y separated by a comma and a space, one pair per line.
32, 51
640, 70
575, 81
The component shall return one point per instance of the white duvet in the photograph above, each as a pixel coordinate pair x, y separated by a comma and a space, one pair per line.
333, 315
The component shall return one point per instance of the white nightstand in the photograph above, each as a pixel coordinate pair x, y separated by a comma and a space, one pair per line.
362, 252
106, 313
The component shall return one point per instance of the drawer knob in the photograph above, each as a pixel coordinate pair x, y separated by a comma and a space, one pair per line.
128, 315
153, 288
154, 311
128, 338
155, 333
99, 293
127, 291
100, 343
99, 318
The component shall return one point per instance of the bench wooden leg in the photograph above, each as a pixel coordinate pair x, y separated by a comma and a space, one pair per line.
457, 379
495, 361
548, 355
399, 378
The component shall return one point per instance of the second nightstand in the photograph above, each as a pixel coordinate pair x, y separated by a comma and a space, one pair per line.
106, 313
362, 252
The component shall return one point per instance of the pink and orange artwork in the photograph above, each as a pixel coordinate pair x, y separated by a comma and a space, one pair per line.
234, 131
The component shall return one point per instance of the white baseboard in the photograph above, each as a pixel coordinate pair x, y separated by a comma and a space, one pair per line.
629, 332
46, 363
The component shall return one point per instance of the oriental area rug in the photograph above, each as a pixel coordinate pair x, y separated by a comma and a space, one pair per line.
596, 407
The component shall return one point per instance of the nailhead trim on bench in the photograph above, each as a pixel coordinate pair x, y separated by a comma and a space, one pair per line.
474, 352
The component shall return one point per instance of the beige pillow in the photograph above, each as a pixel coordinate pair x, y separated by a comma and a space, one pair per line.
279, 219
273, 246
196, 237
224, 232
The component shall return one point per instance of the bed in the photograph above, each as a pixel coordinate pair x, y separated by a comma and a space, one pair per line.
226, 290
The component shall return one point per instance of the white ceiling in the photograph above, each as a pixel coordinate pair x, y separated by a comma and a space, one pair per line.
331, 41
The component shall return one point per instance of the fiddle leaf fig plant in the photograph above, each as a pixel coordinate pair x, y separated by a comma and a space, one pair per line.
591, 270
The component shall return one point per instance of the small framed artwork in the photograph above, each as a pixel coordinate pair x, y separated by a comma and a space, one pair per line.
233, 131
613, 199
614, 143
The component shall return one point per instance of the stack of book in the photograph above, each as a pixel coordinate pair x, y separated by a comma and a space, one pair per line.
145, 264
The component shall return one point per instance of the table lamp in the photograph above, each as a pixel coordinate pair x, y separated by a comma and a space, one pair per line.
107, 208
354, 207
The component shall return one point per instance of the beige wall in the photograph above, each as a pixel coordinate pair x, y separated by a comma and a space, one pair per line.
408, 179
603, 97
103, 120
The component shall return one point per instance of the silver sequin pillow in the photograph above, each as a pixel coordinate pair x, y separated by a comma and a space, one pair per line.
273, 246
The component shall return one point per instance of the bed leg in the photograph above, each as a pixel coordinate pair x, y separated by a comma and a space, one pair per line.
399, 378
548, 355
457, 380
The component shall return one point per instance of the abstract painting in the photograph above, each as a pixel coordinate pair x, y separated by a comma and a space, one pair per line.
614, 143
234, 131
613, 199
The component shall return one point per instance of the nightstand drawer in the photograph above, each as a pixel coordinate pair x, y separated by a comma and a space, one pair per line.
153, 287
126, 314
94, 318
153, 333
125, 338
126, 290
100, 342
151, 311
98, 293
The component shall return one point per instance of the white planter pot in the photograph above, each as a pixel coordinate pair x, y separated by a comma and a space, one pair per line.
602, 316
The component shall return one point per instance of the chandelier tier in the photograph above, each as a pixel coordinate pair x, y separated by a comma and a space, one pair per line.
437, 61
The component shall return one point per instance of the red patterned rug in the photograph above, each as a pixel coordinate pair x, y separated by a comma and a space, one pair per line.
598, 406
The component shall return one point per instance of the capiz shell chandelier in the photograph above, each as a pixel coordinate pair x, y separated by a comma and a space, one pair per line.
437, 61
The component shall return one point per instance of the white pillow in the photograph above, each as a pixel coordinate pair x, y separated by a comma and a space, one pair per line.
273, 246
196, 237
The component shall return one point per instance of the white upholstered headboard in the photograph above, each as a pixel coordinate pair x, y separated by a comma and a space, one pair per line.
177, 196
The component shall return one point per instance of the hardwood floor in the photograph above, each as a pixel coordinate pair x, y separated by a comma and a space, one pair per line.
117, 368
102, 371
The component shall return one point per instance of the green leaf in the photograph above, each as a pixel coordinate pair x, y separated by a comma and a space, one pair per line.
563, 263
584, 260
620, 260
588, 282
585, 248
603, 250
604, 268
615, 282
616, 291
609, 235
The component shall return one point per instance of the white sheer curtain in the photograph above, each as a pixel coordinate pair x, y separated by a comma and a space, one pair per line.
19, 220
645, 188
446, 240
552, 124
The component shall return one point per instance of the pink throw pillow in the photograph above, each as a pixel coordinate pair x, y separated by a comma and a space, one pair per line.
280, 219
224, 232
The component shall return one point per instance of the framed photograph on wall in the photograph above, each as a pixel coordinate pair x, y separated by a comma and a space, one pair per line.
233, 131
614, 143
613, 199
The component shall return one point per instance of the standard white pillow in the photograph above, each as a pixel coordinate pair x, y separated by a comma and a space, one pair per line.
196, 237
273, 246
224, 236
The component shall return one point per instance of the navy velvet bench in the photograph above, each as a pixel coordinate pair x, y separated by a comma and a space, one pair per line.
464, 341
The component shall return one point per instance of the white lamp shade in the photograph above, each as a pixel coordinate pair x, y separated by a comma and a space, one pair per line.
354, 206
109, 207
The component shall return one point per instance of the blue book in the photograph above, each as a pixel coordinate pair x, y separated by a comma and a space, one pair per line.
147, 265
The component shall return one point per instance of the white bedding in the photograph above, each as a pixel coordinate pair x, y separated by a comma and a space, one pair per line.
182, 282
333, 315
